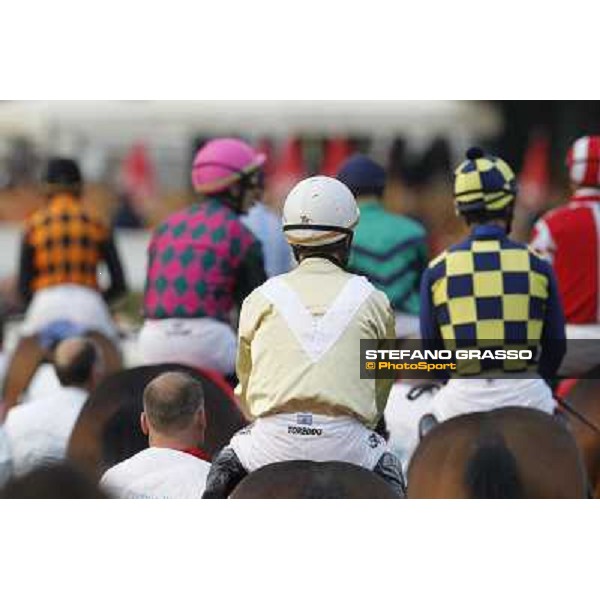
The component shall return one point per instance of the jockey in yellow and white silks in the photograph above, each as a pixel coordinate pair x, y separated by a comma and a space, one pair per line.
298, 359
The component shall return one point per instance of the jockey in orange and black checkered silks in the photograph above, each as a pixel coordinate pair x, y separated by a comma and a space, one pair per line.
299, 334
63, 245
489, 292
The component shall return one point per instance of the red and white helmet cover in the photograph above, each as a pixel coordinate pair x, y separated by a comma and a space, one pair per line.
583, 161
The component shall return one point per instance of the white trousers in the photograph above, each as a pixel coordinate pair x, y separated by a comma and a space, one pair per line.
76, 303
201, 343
300, 436
581, 358
461, 396
402, 418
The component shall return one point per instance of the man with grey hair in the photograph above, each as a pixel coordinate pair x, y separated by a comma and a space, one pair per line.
173, 466
38, 432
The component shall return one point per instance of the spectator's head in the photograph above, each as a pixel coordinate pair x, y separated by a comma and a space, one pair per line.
485, 189
62, 176
60, 481
363, 176
78, 363
173, 413
319, 217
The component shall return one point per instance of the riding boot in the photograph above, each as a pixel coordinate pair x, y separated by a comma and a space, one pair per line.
225, 473
426, 424
389, 468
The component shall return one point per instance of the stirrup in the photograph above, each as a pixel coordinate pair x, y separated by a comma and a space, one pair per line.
426, 424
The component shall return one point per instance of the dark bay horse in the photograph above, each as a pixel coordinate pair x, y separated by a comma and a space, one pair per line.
584, 399
108, 429
316, 480
505, 453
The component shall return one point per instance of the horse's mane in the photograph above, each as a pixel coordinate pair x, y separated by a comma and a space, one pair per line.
492, 471
304, 479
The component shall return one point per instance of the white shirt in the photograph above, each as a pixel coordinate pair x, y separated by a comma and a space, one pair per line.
157, 473
44, 382
38, 432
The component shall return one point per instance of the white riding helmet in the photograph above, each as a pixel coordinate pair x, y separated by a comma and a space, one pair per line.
319, 210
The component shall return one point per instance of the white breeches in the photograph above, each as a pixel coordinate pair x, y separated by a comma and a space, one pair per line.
402, 418
201, 343
76, 303
461, 396
300, 436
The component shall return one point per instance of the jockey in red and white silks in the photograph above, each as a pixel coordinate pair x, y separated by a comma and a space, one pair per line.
569, 237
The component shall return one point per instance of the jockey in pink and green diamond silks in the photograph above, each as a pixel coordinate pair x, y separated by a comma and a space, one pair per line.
203, 262
194, 257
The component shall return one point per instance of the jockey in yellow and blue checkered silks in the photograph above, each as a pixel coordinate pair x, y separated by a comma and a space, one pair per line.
484, 184
489, 292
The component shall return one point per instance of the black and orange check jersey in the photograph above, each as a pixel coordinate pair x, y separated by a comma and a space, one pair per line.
64, 243
491, 292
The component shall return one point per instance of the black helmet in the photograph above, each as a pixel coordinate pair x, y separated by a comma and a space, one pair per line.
62, 174
362, 175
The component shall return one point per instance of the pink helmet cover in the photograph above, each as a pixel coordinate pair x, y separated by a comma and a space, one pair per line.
223, 161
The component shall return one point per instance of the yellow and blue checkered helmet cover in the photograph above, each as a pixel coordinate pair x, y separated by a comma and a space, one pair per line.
483, 183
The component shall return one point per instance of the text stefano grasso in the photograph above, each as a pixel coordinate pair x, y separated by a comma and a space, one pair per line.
470, 354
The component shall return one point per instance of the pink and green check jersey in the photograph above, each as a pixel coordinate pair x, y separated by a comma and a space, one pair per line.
193, 261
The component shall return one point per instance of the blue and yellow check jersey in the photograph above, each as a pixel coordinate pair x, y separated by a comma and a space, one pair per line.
491, 292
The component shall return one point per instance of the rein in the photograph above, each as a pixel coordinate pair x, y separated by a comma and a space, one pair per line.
580, 416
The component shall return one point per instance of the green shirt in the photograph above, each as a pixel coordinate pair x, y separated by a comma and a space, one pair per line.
391, 251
